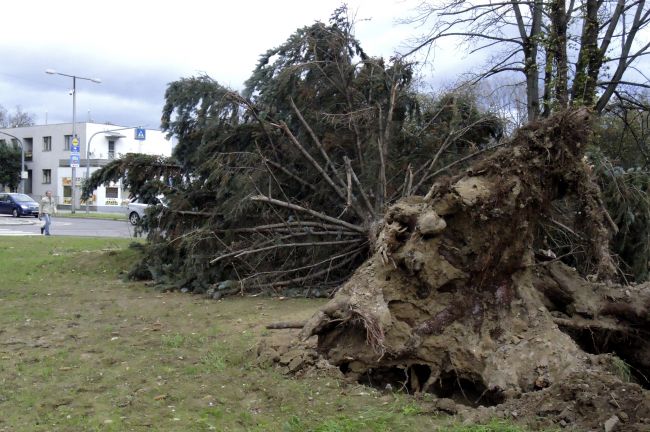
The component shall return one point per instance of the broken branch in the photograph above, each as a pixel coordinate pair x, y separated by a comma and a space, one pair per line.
314, 213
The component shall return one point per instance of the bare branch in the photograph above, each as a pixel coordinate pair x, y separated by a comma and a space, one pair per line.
290, 174
276, 226
316, 165
307, 277
193, 213
613, 22
640, 20
245, 252
350, 251
314, 213
362, 191
606, 84
464, 34
316, 141
348, 173
382, 177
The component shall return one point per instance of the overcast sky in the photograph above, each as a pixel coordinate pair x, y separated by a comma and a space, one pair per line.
137, 47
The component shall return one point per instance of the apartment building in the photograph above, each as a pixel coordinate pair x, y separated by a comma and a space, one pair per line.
47, 158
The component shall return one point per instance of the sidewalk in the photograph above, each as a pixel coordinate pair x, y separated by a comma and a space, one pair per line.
10, 220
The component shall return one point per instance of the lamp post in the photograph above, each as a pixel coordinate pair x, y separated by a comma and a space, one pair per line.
88, 153
22, 160
74, 124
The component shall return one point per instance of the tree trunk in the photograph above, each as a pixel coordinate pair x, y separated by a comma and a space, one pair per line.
586, 76
530, 44
559, 41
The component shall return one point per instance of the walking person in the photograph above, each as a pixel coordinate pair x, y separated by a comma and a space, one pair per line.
46, 210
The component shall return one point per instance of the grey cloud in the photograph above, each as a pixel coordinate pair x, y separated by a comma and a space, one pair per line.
130, 91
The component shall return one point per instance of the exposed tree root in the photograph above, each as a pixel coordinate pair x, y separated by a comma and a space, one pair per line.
453, 303
286, 325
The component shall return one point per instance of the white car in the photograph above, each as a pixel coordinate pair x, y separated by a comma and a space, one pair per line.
135, 210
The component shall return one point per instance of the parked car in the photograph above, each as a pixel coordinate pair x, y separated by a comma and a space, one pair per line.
18, 205
135, 209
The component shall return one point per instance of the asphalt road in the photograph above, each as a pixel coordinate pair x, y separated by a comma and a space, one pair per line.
10, 226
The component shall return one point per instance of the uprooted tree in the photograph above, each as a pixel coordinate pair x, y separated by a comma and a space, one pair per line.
279, 188
458, 298
329, 157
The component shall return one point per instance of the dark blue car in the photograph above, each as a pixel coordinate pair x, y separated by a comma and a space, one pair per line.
18, 205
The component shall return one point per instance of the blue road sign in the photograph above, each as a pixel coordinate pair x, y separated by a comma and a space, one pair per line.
140, 134
74, 161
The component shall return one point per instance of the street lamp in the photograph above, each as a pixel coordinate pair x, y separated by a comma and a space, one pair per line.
74, 123
88, 153
22, 160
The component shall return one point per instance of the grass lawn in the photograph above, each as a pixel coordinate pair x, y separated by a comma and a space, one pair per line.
82, 350
92, 215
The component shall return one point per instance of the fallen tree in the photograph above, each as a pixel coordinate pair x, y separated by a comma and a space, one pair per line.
457, 301
274, 190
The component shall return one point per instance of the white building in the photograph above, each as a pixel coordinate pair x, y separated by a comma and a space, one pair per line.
47, 158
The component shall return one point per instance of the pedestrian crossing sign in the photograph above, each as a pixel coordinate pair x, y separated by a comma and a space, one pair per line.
140, 134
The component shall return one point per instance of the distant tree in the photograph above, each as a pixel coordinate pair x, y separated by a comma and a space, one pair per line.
4, 119
575, 53
505, 97
623, 134
9, 164
18, 118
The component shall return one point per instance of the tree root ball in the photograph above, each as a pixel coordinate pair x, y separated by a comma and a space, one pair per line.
453, 302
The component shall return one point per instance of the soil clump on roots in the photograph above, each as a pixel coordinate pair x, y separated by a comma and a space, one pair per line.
458, 301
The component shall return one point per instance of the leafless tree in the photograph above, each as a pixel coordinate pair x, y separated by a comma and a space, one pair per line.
505, 96
575, 52
18, 118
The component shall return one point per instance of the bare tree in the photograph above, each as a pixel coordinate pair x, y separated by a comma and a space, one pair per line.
18, 118
569, 46
506, 97
3, 117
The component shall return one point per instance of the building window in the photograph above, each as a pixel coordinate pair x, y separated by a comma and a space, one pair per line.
28, 144
29, 148
111, 192
3, 142
47, 143
111, 150
47, 176
67, 142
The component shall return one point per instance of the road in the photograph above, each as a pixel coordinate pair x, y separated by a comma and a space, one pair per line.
10, 226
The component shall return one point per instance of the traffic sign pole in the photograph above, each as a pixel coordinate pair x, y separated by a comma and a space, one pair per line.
74, 164
74, 138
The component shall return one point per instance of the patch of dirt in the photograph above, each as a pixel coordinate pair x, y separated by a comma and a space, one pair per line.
586, 400
294, 357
